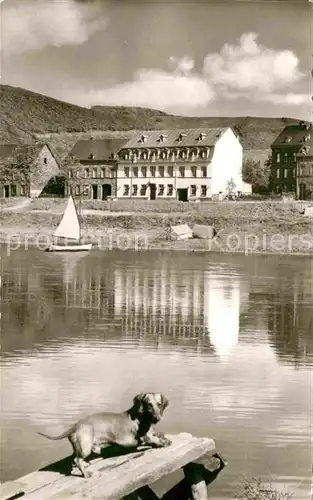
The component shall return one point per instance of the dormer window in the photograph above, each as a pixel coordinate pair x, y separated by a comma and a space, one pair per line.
202, 135
143, 138
162, 137
91, 156
180, 137
288, 139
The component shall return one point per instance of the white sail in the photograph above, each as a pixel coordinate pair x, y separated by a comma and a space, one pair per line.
69, 226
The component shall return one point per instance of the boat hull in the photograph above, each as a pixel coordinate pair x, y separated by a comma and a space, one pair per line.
70, 248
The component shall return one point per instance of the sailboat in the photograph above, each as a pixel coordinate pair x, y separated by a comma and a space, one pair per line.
68, 232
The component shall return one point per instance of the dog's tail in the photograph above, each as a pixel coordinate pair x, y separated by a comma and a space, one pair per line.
61, 436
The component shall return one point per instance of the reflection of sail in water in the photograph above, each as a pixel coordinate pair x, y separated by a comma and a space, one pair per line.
69, 263
221, 312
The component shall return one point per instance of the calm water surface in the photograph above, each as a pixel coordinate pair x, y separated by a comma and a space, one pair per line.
229, 340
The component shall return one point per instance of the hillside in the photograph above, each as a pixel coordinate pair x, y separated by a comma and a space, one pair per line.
25, 114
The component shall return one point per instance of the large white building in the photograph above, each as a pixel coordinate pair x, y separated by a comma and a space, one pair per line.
192, 164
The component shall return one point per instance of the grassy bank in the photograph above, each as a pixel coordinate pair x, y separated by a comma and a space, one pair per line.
243, 226
255, 490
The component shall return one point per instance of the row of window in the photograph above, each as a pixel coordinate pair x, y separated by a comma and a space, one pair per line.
162, 190
167, 154
161, 171
285, 158
93, 173
283, 173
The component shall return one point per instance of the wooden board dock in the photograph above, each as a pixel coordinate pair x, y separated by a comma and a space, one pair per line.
126, 476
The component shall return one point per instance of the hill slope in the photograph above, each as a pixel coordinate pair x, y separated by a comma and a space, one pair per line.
24, 113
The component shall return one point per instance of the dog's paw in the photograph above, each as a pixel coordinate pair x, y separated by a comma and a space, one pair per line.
164, 441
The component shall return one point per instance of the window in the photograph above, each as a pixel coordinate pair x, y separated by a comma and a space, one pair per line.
182, 171
194, 171
170, 171
45, 160
94, 173
170, 189
22, 190
193, 190
277, 157
103, 173
126, 190
135, 189
143, 189
126, 171
161, 171
135, 171
293, 172
285, 158
203, 153
152, 171
13, 189
277, 188
285, 173
204, 171
145, 155
86, 190
163, 154
77, 190
203, 190
161, 190
86, 172
77, 174
278, 173
70, 173
144, 171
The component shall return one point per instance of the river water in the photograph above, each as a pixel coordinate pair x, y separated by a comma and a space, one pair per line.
228, 339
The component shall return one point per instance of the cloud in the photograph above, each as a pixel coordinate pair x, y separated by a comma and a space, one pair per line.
165, 90
31, 25
246, 70
250, 66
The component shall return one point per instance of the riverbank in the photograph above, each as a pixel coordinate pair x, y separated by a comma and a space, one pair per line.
242, 226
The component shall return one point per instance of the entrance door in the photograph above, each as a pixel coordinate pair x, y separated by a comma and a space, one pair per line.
7, 191
182, 194
95, 191
106, 191
152, 191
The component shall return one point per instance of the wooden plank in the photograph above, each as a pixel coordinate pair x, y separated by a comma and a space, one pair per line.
11, 489
120, 476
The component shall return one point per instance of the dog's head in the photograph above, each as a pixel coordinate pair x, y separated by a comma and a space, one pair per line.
150, 406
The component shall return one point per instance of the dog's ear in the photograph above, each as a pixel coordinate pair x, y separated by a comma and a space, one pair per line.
138, 402
165, 402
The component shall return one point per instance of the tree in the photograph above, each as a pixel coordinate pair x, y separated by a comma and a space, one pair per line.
257, 173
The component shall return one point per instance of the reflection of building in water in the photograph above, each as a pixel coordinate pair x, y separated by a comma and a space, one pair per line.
222, 307
177, 304
160, 302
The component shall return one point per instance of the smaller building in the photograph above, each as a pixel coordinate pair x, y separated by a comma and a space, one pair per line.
284, 157
305, 171
92, 168
25, 170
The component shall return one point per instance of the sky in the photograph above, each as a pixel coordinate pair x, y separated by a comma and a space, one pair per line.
193, 58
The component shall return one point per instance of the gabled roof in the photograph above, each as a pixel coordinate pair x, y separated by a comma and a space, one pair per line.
176, 137
292, 135
101, 149
12, 150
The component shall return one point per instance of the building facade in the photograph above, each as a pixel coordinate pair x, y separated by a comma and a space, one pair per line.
284, 157
92, 168
192, 164
25, 170
305, 171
